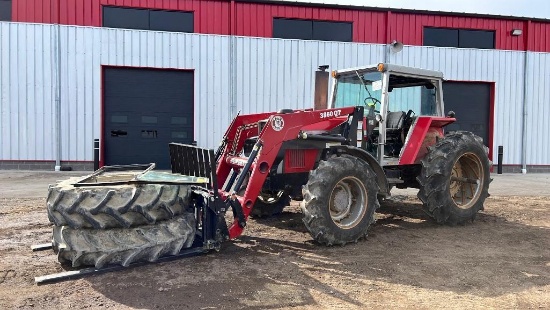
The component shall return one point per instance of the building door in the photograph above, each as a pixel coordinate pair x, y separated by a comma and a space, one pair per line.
471, 102
145, 110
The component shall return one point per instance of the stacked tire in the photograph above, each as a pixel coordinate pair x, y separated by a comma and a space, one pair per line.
119, 224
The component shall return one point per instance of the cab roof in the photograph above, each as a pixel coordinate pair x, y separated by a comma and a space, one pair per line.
425, 73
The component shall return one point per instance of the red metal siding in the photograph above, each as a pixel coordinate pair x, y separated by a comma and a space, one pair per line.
408, 28
210, 16
256, 19
539, 38
34, 11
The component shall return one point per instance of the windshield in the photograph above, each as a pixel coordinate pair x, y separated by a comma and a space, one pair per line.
404, 93
351, 91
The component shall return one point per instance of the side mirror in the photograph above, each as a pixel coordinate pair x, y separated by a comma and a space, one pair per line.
451, 114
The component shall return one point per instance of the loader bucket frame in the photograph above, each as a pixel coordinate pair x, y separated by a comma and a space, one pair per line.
199, 162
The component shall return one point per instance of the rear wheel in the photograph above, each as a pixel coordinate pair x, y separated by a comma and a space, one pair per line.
340, 199
455, 178
269, 204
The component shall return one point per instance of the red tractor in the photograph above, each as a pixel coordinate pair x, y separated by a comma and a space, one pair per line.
339, 161
385, 129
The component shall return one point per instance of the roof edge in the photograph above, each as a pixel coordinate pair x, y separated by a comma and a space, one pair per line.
397, 10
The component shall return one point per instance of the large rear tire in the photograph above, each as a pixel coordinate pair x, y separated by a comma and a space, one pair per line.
123, 246
455, 178
340, 199
103, 207
269, 204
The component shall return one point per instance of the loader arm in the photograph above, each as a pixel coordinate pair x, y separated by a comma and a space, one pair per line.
241, 128
278, 128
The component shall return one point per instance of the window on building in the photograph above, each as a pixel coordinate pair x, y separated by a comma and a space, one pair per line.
292, 29
312, 30
466, 38
171, 21
130, 18
5, 10
476, 38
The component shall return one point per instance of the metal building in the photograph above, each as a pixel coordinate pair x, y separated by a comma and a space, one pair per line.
137, 74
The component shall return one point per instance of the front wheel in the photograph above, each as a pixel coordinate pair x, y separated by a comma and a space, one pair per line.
454, 180
340, 199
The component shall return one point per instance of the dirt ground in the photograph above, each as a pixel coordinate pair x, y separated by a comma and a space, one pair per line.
500, 261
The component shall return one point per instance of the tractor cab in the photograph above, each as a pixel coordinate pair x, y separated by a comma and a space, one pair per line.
394, 98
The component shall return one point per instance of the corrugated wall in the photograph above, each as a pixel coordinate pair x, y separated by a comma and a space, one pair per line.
90, 48
408, 28
27, 83
268, 74
275, 73
256, 19
211, 16
26, 92
505, 68
538, 109
539, 37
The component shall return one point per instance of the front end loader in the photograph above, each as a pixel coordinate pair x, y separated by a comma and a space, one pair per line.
384, 129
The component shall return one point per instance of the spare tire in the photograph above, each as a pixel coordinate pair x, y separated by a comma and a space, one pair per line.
123, 246
115, 206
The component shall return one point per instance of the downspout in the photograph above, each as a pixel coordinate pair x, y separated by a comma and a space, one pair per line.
57, 70
526, 99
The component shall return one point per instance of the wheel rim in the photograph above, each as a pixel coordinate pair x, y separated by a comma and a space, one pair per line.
347, 203
466, 180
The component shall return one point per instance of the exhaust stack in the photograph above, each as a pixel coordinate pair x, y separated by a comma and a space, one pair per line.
320, 100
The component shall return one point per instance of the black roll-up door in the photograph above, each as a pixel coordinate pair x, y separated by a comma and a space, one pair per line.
145, 110
471, 102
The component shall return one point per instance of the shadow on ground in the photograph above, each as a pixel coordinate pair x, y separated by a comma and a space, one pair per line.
276, 265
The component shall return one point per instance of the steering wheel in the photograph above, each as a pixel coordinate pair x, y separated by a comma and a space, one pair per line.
376, 101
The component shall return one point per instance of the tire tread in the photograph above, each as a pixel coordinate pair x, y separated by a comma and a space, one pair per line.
103, 207
123, 246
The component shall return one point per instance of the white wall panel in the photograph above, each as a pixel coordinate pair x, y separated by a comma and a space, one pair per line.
538, 109
269, 74
90, 48
26, 97
27, 83
275, 73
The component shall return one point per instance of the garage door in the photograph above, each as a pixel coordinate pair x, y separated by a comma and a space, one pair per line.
471, 102
144, 110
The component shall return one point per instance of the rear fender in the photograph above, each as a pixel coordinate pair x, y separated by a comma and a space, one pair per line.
364, 155
424, 132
